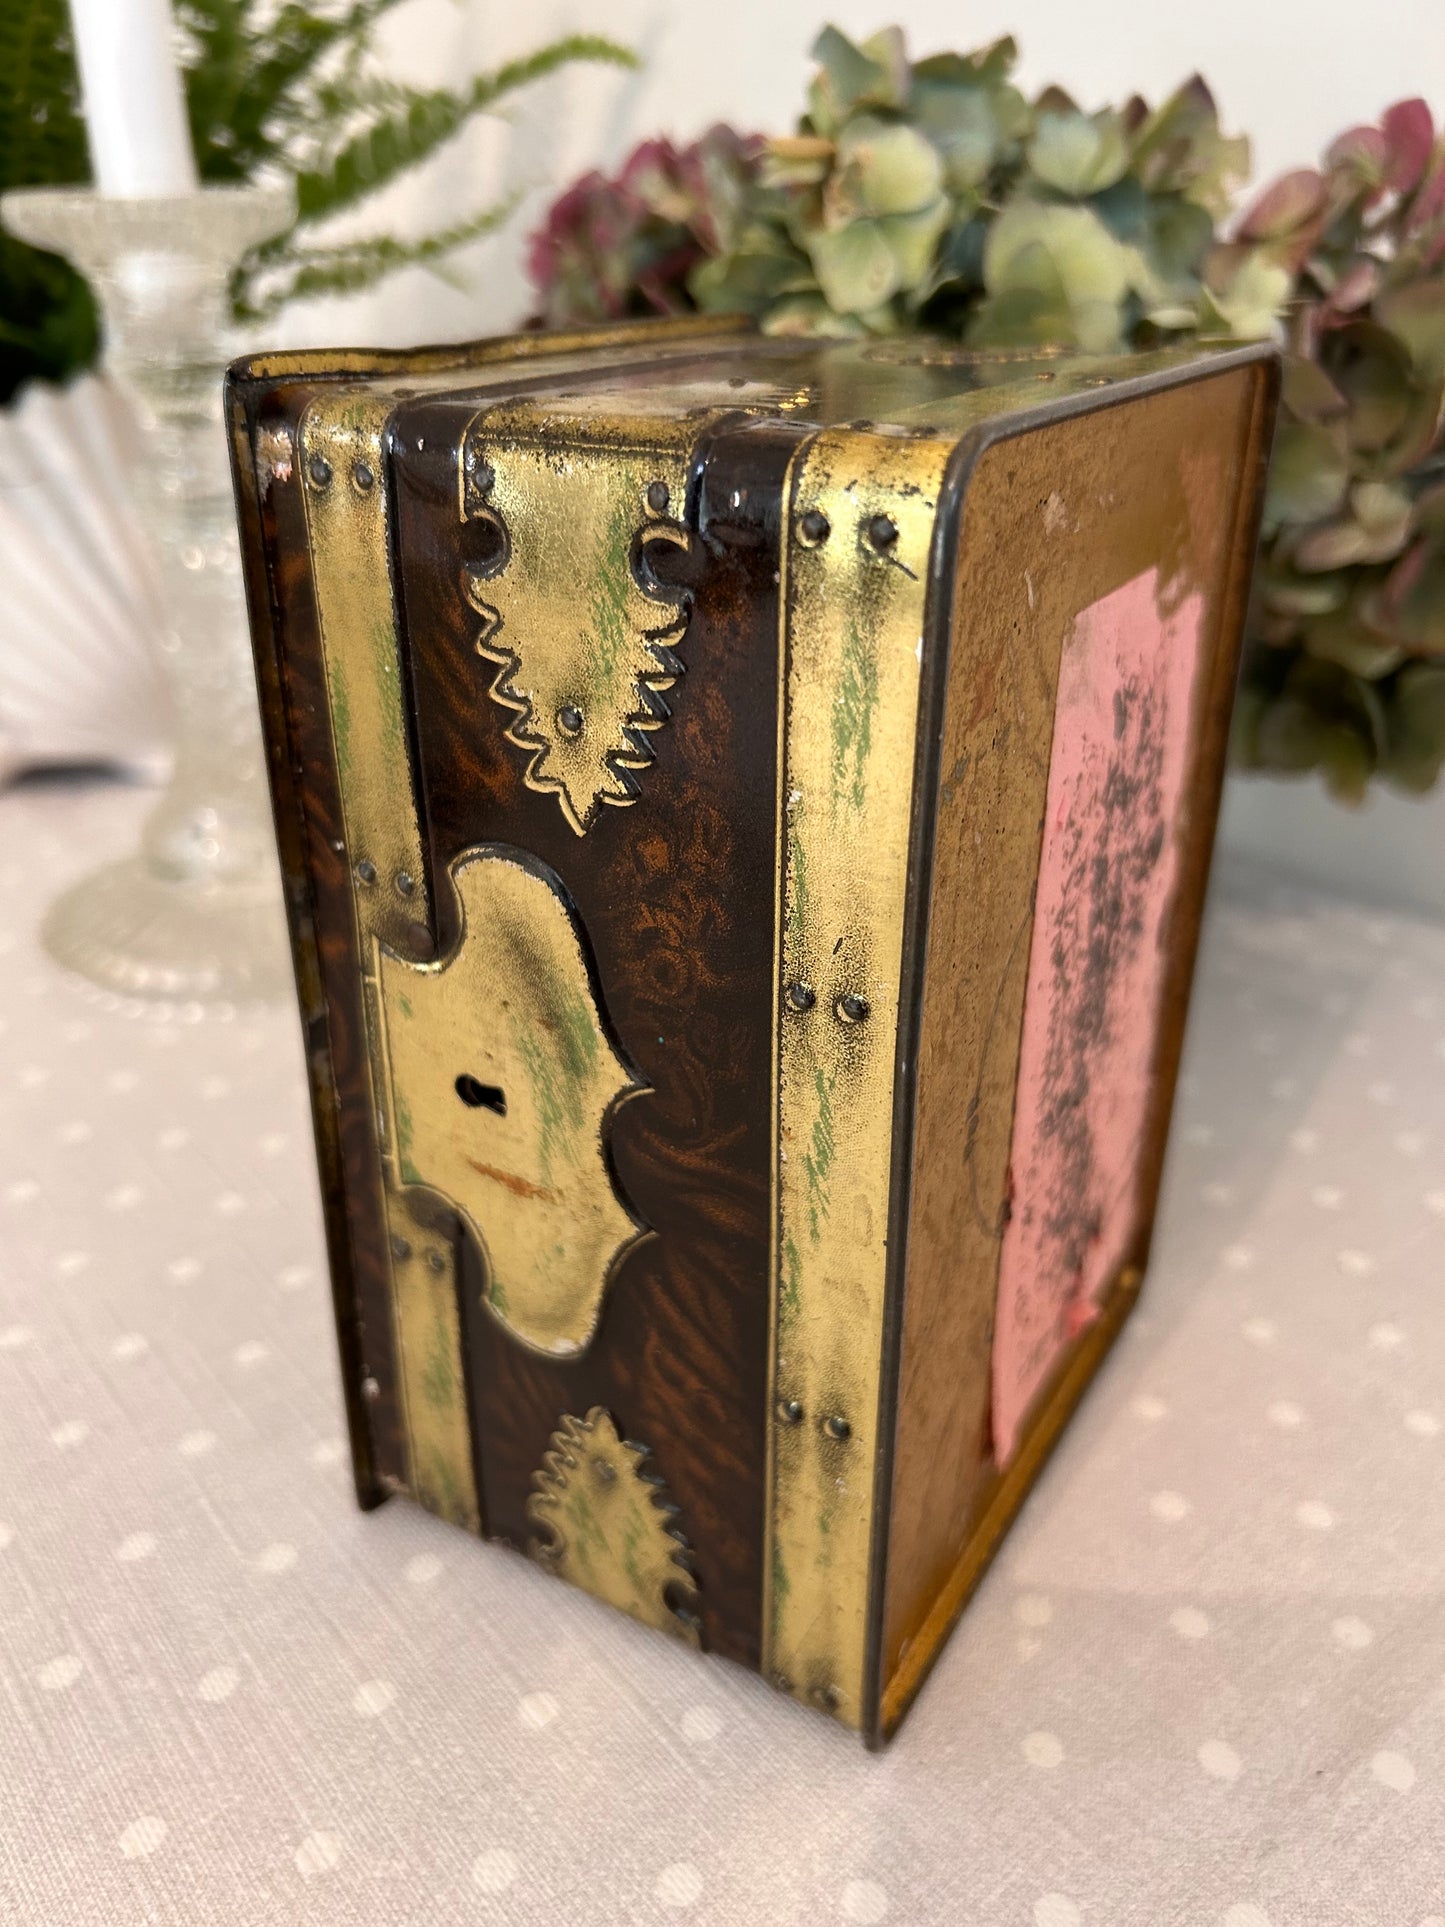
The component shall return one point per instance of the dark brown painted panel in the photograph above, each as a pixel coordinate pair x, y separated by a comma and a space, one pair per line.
676, 895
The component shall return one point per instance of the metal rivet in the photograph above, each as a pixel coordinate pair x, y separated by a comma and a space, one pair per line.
881, 531
338, 846
657, 497
782, 1682
400, 1248
828, 1697
800, 997
436, 1259
790, 1411
404, 884
851, 1008
319, 469
569, 719
366, 870
370, 1389
814, 528
482, 474
363, 475
837, 1427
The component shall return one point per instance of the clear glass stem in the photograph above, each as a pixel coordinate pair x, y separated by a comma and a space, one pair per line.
195, 916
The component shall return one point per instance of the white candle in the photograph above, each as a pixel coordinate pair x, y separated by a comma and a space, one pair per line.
135, 113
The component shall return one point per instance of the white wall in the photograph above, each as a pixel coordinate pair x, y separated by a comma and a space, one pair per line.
1290, 72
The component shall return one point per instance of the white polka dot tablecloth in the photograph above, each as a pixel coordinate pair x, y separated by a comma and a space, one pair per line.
1203, 1686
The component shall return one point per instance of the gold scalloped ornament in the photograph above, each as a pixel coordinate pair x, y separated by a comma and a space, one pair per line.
607, 1526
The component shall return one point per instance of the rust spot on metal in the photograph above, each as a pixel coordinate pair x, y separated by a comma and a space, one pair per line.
519, 1187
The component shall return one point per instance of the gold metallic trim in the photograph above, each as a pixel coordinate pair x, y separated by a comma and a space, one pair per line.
571, 498
502, 1081
672, 334
861, 512
341, 474
606, 1525
580, 644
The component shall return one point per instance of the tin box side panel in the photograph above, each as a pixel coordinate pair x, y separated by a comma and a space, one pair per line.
674, 895
1053, 521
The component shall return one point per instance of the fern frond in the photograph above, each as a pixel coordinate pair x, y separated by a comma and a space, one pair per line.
351, 267
296, 43
398, 141
42, 138
220, 36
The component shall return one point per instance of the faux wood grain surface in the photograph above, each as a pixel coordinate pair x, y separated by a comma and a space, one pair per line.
307, 806
675, 894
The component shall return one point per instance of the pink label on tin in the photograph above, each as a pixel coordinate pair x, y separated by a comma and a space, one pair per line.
1096, 974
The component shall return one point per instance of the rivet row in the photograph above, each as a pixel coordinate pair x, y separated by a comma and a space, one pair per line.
849, 1008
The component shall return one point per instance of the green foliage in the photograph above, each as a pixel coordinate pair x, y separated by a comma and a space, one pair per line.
1346, 667
47, 318
272, 90
626, 247
933, 195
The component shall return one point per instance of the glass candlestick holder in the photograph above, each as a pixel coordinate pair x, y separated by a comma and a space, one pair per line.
194, 917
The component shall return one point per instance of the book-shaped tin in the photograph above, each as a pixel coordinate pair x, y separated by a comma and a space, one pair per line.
745, 808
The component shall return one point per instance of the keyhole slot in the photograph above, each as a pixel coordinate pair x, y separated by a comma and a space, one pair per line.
478, 1096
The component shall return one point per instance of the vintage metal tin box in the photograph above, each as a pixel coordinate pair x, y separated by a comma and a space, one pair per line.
745, 808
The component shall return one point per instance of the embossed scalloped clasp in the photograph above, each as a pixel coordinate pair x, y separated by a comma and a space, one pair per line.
563, 514
567, 503
606, 1524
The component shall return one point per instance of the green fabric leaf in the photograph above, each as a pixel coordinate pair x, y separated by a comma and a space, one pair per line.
883, 169
1308, 393
1248, 307
963, 124
1409, 606
1079, 154
1308, 475
913, 240
850, 77
1416, 727
1062, 252
760, 268
855, 266
1341, 638
1415, 315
